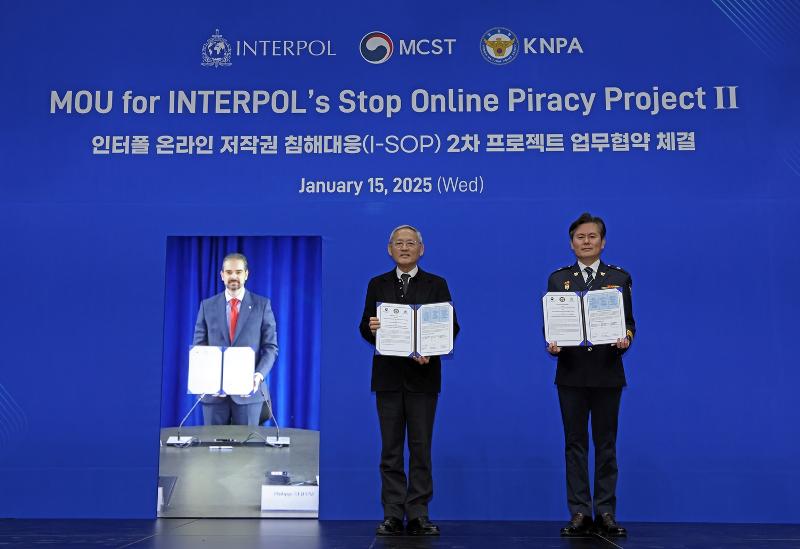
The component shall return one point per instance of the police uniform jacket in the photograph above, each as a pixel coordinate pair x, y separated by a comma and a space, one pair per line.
597, 365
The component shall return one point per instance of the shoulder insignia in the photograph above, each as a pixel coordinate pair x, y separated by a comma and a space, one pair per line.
562, 269
618, 268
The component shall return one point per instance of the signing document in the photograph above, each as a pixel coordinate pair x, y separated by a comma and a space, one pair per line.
563, 319
396, 334
415, 330
239, 368
584, 318
205, 369
212, 371
435, 329
605, 316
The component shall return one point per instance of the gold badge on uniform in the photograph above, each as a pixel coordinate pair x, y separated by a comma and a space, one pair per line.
566, 284
609, 287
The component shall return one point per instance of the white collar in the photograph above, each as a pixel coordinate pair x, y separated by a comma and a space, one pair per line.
238, 295
413, 272
594, 266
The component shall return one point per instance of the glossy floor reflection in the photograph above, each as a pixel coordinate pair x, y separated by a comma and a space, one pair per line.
311, 534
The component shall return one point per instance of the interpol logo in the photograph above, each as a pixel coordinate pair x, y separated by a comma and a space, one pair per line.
216, 51
376, 47
499, 46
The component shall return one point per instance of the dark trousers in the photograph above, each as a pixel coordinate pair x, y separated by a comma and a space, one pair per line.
400, 412
227, 412
577, 405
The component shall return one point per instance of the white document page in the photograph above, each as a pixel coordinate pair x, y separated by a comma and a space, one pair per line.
395, 337
205, 370
563, 322
435, 329
605, 316
240, 366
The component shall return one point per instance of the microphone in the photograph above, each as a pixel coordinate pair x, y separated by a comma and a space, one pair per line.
276, 440
186, 441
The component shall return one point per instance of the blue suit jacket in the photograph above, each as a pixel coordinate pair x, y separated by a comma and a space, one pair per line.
255, 328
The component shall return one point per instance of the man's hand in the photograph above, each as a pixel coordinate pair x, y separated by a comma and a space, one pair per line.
421, 359
257, 379
553, 348
374, 324
623, 343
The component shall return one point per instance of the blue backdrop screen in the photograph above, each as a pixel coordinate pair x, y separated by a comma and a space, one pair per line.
287, 270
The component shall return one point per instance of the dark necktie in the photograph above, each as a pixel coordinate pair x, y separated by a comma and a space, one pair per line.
405, 277
589, 277
234, 317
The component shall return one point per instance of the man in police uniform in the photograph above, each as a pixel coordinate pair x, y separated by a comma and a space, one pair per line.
590, 382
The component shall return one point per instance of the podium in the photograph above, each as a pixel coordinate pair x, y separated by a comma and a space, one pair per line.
220, 479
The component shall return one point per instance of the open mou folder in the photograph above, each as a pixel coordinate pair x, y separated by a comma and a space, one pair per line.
415, 330
584, 318
214, 371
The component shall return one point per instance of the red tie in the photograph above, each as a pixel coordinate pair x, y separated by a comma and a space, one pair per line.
234, 316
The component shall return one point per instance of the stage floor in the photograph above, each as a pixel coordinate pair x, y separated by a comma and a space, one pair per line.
312, 534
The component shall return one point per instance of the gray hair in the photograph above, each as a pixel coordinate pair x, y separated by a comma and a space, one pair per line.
409, 227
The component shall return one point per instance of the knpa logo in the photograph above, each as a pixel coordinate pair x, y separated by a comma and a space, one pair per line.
216, 51
499, 46
376, 47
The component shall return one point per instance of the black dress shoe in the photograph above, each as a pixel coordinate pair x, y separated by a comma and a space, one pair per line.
391, 526
605, 525
579, 525
421, 527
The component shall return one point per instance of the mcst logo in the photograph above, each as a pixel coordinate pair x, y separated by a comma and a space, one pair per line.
216, 51
499, 46
376, 47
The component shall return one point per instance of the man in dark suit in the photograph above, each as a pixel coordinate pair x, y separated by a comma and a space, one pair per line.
590, 381
238, 318
406, 390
